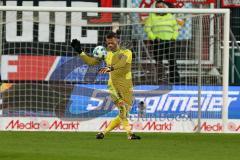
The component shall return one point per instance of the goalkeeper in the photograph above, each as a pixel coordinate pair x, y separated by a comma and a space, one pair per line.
120, 80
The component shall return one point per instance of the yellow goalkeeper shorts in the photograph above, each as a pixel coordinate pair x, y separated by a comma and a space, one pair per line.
121, 93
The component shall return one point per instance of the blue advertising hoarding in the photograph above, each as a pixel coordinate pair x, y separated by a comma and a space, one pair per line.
94, 100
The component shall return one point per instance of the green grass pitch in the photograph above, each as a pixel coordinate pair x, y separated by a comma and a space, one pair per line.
84, 146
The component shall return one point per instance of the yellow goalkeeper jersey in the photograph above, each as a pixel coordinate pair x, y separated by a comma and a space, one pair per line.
120, 60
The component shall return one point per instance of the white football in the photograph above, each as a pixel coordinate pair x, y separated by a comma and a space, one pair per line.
100, 52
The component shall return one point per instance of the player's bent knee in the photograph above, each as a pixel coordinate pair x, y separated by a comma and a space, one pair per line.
122, 112
121, 103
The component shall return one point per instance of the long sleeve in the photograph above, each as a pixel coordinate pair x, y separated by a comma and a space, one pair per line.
89, 60
148, 28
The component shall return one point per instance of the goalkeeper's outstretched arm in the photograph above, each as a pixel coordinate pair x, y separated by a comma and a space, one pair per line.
87, 59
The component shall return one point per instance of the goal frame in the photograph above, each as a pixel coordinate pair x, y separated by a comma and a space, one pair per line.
225, 12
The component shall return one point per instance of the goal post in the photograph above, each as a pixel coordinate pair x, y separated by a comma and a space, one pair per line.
226, 69
48, 81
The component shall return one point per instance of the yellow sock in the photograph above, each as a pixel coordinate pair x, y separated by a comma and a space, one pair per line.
114, 123
126, 126
123, 117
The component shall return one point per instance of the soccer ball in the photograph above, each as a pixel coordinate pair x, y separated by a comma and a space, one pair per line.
99, 52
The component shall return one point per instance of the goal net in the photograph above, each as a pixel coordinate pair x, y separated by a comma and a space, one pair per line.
181, 77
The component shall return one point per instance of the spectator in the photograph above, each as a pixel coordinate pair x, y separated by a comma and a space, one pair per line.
162, 30
141, 109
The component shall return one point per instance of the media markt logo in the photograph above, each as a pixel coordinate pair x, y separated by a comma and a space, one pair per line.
144, 126
44, 124
217, 127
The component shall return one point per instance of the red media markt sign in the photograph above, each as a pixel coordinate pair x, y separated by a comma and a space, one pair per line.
231, 3
191, 1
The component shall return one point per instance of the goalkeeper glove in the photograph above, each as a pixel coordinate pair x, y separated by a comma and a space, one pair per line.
105, 70
76, 45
